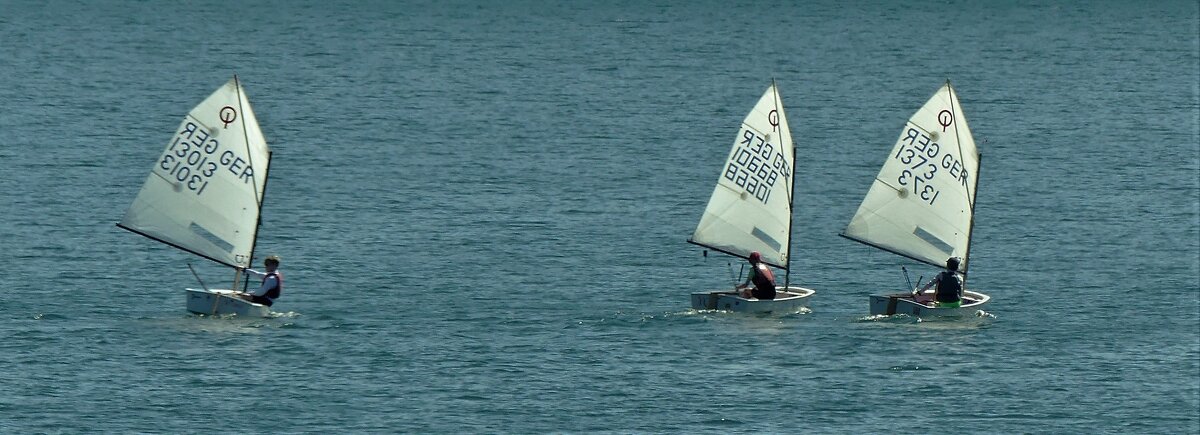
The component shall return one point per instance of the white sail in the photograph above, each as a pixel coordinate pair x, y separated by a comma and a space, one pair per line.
921, 203
751, 206
204, 193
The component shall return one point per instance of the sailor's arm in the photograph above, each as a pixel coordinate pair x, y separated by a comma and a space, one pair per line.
267, 284
929, 284
746, 283
250, 271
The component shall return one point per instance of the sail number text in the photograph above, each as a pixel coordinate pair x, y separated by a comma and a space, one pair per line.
194, 157
756, 165
920, 157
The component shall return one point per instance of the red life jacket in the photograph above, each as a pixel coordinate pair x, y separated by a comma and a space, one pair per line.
763, 278
274, 292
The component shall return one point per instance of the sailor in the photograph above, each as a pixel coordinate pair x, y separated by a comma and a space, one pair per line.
761, 276
272, 283
949, 286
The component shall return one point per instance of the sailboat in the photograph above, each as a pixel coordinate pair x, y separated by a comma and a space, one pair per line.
922, 204
205, 192
751, 207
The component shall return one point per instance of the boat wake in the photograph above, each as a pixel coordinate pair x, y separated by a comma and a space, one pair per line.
695, 312
271, 315
905, 318
884, 318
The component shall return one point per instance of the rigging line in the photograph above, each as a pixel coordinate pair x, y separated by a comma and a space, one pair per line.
778, 101
885, 183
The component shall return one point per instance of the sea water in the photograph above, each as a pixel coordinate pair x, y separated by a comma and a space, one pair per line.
482, 210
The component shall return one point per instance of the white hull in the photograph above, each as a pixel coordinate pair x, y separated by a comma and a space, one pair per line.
921, 305
787, 300
218, 302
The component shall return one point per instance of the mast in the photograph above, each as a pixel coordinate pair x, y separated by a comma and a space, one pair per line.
970, 194
258, 224
237, 276
971, 233
787, 276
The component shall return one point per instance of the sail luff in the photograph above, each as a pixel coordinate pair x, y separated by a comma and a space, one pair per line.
958, 139
246, 132
971, 192
258, 197
970, 195
790, 145
787, 280
240, 281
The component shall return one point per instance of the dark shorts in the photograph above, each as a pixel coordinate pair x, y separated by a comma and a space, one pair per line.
763, 294
261, 300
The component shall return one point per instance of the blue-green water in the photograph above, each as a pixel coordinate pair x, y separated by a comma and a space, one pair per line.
482, 209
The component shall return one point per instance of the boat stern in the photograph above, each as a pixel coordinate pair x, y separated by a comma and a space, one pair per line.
707, 300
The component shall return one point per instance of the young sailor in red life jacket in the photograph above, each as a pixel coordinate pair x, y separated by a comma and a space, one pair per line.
949, 286
272, 283
761, 276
